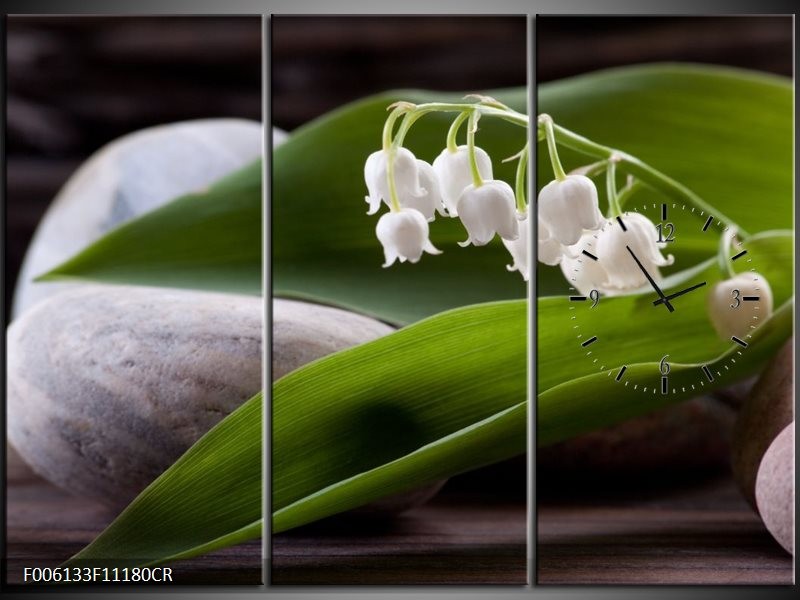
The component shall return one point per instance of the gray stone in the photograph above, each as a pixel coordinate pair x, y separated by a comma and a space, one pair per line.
775, 488
303, 332
764, 414
128, 177
108, 385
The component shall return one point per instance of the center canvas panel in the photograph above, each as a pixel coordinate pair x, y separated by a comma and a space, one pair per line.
399, 312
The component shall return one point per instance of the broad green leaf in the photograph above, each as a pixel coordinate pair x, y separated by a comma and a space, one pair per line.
210, 498
210, 240
724, 133
497, 437
436, 398
686, 335
593, 401
323, 242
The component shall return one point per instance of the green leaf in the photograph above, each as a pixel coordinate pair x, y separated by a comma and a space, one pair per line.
323, 242
593, 401
210, 240
692, 337
347, 429
436, 398
210, 498
726, 134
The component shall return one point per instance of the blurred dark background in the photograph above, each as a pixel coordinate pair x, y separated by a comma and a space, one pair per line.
320, 63
567, 46
76, 83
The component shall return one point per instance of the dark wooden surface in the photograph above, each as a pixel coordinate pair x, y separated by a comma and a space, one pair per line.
700, 534
46, 526
642, 533
455, 539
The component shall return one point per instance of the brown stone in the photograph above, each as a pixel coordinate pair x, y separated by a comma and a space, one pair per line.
765, 413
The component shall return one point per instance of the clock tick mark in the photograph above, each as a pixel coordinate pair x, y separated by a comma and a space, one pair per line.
707, 372
621, 372
622, 224
708, 222
742, 343
663, 212
589, 254
740, 255
577, 298
589, 341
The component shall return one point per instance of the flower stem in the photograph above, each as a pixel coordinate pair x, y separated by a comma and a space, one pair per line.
405, 125
630, 164
473, 160
546, 122
391, 150
724, 253
614, 209
411, 112
591, 170
628, 191
522, 170
388, 126
452, 144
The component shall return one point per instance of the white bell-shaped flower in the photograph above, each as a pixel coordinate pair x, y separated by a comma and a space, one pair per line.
406, 177
583, 273
454, 174
550, 250
404, 236
641, 236
518, 248
568, 207
415, 182
429, 199
732, 307
486, 210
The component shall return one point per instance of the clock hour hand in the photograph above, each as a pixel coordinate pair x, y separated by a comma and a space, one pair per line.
652, 282
681, 293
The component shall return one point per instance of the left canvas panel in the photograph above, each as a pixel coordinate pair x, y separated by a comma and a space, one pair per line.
133, 300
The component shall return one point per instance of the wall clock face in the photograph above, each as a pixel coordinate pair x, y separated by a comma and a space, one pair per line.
680, 303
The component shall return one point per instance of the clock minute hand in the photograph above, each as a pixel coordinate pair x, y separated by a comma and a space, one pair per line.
652, 282
676, 294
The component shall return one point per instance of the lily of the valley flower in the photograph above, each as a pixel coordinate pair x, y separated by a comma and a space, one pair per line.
404, 236
730, 314
641, 236
518, 248
415, 182
430, 200
551, 250
615, 271
585, 274
453, 171
568, 207
486, 210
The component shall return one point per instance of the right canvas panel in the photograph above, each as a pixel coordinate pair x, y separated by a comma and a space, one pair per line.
665, 425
